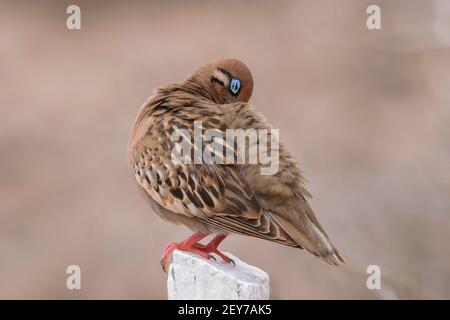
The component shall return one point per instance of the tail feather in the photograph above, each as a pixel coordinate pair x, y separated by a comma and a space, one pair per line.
311, 238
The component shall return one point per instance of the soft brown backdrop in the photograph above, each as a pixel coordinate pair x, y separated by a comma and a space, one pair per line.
365, 112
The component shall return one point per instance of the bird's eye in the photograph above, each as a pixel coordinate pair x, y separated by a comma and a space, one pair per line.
235, 86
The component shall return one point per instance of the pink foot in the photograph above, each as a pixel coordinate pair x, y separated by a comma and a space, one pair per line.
211, 247
187, 245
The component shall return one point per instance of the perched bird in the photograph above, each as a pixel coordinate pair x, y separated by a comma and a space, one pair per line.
224, 198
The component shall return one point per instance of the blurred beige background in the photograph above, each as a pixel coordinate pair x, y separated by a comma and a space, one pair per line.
367, 113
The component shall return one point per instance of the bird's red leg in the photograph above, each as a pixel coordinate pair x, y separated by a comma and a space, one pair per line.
187, 245
211, 247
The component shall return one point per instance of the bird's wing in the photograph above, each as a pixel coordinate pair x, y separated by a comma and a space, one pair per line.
282, 195
213, 194
234, 198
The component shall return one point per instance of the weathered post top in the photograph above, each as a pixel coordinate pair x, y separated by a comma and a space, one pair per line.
193, 277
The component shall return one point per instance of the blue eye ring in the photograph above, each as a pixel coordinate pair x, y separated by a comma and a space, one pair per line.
235, 86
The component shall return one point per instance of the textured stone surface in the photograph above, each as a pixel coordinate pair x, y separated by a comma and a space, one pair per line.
192, 277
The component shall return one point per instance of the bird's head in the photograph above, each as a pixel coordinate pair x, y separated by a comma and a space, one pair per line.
225, 81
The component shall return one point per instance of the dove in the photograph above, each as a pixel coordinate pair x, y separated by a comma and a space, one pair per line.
221, 198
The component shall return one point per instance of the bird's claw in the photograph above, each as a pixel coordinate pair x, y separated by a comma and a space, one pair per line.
192, 245
164, 265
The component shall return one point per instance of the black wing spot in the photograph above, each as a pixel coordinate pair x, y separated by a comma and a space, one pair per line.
181, 173
158, 178
221, 186
177, 193
191, 183
206, 197
214, 191
194, 199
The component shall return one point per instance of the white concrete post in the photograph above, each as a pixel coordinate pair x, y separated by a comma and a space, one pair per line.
193, 277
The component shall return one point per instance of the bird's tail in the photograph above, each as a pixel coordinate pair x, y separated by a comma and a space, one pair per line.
310, 236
